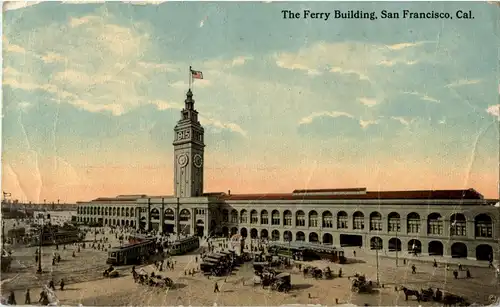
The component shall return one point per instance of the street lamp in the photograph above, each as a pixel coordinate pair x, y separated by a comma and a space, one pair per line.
3, 231
377, 246
397, 241
39, 270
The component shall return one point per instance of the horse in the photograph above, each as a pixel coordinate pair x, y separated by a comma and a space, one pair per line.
410, 292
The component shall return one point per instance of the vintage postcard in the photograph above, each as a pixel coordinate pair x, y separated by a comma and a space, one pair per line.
250, 153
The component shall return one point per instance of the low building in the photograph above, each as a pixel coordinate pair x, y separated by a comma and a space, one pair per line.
56, 217
454, 223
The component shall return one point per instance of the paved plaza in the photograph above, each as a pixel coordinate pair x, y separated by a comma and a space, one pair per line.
85, 284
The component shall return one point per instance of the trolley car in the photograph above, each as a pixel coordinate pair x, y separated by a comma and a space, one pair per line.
308, 251
132, 253
185, 245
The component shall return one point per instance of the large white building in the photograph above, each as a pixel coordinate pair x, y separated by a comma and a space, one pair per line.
58, 217
458, 223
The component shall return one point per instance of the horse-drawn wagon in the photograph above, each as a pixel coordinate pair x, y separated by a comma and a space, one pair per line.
282, 282
361, 285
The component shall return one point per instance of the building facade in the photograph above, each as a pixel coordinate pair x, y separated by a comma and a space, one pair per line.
58, 217
454, 223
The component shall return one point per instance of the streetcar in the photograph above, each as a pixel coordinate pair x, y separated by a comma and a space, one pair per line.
132, 253
307, 251
185, 245
57, 236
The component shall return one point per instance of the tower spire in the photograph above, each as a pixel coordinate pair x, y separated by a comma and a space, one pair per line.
189, 102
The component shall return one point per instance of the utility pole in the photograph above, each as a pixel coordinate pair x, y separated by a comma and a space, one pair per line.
39, 270
377, 246
3, 232
397, 247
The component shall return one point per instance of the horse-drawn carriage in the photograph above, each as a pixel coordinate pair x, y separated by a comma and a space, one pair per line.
328, 273
276, 280
159, 281
429, 294
361, 285
314, 272
153, 280
6, 261
282, 282
259, 267
111, 273
214, 269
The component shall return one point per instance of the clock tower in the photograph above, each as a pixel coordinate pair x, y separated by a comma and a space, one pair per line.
188, 152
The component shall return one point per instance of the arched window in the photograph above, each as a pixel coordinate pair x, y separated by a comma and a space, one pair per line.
254, 217
458, 225
342, 220
327, 219
234, 216
300, 218
287, 218
244, 216
184, 215
483, 226
169, 215
155, 214
264, 218
434, 224
375, 221
275, 218
394, 222
313, 219
358, 220
413, 223
225, 215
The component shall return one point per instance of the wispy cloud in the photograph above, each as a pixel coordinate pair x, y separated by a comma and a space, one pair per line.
217, 124
16, 5
494, 110
422, 96
403, 120
310, 118
369, 102
401, 46
347, 58
463, 82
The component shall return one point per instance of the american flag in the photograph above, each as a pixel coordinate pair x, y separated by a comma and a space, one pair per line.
196, 74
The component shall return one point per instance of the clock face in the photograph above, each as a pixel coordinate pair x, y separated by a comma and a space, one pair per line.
198, 160
182, 160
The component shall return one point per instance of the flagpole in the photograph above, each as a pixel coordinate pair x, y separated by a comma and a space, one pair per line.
190, 76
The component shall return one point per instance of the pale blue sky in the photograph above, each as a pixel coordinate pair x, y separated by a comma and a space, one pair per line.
92, 92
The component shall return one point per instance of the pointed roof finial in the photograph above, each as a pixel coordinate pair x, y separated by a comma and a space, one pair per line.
189, 102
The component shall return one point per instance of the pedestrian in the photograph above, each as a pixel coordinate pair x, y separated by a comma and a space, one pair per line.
27, 298
468, 273
435, 263
413, 269
354, 253
52, 285
455, 274
216, 288
12, 298
44, 299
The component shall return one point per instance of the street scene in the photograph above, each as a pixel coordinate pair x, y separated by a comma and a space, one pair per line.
85, 284
159, 153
